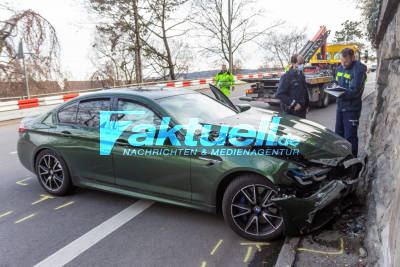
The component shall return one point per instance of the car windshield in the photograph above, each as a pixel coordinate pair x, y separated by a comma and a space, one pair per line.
185, 107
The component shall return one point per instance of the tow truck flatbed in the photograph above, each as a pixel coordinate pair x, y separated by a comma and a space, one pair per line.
264, 89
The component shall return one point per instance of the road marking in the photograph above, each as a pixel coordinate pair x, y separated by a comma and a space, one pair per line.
249, 249
203, 264
42, 198
21, 182
6, 213
64, 205
25, 218
81, 244
325, 252
13, 152
216, 246
257, 244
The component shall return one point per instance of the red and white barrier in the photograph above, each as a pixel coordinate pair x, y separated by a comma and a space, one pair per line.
58, 99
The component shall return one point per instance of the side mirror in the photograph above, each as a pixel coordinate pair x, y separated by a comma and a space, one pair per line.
243, 107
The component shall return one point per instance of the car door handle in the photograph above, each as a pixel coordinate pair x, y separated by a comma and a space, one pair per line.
67, 133
122, 141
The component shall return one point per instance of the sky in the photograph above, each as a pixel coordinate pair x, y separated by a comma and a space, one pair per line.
75, 27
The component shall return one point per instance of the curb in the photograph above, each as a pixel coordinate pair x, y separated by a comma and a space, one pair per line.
287, 255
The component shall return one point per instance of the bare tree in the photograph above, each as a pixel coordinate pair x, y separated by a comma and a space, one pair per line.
280, 47
40, 42
121, 26
113, 61
212, 23
181, 57
162, 46
237, 66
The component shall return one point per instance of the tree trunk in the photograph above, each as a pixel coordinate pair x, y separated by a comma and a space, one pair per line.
167, 49
138, 46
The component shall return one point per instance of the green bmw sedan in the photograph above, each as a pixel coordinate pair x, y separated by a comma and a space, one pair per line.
267, 173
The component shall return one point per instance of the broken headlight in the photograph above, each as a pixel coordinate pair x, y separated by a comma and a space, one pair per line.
307, 176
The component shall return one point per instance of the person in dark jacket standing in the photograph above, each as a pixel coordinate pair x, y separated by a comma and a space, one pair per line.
292, 90
351, 75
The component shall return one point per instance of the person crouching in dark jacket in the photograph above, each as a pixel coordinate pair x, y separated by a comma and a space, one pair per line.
292, 90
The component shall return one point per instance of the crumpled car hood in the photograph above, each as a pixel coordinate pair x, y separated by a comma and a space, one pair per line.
317, 143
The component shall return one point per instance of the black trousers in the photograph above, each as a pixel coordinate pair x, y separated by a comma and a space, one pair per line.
347, 126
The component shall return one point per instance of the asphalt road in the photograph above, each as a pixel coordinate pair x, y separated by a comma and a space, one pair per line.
85, 229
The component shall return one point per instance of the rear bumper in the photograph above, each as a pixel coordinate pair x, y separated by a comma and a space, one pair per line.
303, 215
25, 153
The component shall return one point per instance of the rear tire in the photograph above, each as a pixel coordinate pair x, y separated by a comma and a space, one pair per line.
323, 101
248, 209
52, 173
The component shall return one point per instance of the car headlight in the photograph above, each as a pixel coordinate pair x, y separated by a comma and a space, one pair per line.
306, 176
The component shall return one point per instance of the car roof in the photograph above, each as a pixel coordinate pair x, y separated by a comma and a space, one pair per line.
151, 92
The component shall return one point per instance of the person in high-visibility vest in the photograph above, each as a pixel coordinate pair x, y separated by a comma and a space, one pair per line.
225, 81
287, 68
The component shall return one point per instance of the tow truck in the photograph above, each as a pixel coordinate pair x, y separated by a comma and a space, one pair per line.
321, 60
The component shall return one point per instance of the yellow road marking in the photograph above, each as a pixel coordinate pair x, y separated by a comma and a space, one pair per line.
257, 244
203, 264
216, 246
249, 249
6, 213
25, 218
42, 198
21, 182
325, 252
64, 205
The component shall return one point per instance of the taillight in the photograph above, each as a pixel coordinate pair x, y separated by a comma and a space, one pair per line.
249, 91
21, 128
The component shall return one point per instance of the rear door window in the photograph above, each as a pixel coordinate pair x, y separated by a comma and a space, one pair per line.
89, 111
68, 113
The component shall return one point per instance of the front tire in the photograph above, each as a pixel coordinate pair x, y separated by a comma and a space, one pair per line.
248, 209
52, 173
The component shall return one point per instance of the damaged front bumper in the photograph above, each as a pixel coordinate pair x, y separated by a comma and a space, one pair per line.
303, 215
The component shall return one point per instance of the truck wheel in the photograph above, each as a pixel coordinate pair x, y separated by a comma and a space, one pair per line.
323, 101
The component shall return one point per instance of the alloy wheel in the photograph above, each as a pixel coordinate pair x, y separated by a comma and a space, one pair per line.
50, 172
253, 211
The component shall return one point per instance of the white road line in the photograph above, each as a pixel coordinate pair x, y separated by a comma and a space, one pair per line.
13, 152
78, 246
